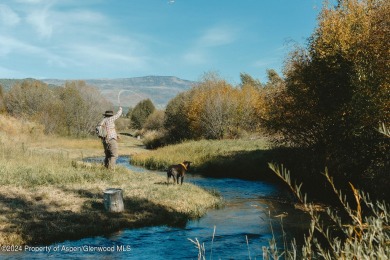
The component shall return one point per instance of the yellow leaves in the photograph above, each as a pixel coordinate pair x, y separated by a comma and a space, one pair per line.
345, 28
216, 109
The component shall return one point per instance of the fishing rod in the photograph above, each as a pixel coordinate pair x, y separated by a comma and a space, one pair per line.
124, 90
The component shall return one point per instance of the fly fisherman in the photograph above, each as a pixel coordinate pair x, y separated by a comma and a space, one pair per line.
110, 143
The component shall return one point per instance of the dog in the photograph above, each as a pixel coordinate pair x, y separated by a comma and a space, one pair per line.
177, 171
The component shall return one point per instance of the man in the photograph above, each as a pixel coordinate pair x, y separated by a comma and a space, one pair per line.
110, 143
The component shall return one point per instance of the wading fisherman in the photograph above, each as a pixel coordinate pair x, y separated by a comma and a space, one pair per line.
110, 143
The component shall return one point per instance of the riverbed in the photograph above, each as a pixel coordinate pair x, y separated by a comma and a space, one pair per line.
254, 213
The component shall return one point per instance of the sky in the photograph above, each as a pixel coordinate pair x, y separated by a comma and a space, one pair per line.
95, 39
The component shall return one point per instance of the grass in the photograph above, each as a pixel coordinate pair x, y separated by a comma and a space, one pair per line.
227, 158
48, 196
353, 231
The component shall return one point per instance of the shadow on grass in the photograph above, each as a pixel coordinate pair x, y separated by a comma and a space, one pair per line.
253, 165
38, 223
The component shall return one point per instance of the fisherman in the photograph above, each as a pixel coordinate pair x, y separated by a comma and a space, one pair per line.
110, 143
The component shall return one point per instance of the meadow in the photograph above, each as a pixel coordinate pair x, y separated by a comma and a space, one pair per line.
49, 195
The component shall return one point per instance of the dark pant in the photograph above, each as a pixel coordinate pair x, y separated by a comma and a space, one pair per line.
111, 152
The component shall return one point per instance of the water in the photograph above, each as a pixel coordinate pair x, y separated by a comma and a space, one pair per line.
249, 220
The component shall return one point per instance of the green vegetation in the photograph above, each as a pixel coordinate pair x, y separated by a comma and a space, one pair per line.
220, 158
47, 196
141, 112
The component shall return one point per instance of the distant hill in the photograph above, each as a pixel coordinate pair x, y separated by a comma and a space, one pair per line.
160, 89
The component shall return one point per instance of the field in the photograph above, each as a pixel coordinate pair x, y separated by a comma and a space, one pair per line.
49, 195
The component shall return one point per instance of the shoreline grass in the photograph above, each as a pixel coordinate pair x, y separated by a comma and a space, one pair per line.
46, 197
217, 158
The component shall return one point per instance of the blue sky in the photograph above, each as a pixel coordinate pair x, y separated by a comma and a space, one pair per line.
90, 39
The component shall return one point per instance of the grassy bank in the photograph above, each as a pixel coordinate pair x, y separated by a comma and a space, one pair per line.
218, 158
46, 196
241, 159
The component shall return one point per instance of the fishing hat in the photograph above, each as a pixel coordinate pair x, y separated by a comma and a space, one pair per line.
109, 113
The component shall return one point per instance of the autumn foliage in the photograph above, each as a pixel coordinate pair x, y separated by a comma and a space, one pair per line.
336, 92
214, 109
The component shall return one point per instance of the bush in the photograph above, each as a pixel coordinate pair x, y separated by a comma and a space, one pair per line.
122, 124
154, 139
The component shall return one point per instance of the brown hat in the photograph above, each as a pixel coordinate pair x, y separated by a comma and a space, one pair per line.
109, 113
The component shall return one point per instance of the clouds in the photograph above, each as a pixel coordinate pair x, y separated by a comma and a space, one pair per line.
100, 38
39, 20
7, 16
202, 49
217, 36
58, 38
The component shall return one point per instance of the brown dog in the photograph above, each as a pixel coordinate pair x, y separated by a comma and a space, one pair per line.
177, 171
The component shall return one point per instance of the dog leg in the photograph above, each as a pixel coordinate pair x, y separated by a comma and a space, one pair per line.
182, 179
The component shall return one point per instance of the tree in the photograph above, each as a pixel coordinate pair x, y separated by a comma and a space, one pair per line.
177, 122
28, 98
212, 108
129, 112
83, 107
155, 120
336, 91
141, 112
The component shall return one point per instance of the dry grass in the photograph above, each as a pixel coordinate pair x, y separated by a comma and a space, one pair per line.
46, 196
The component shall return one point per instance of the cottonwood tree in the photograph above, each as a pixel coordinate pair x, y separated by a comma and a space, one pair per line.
336, 91
83, 106
155, 120
28, 98
141, 112
177, 122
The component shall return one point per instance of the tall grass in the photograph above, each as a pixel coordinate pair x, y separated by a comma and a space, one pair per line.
216, 157
361, 232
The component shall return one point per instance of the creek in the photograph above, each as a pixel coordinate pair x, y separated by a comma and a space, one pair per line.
254, 213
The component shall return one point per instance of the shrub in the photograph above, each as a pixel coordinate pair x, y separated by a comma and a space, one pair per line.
154, 139
122, 124
155, 121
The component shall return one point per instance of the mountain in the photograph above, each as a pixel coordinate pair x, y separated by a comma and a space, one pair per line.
160, 89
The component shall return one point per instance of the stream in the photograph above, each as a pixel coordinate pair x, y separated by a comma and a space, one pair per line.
251, 217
